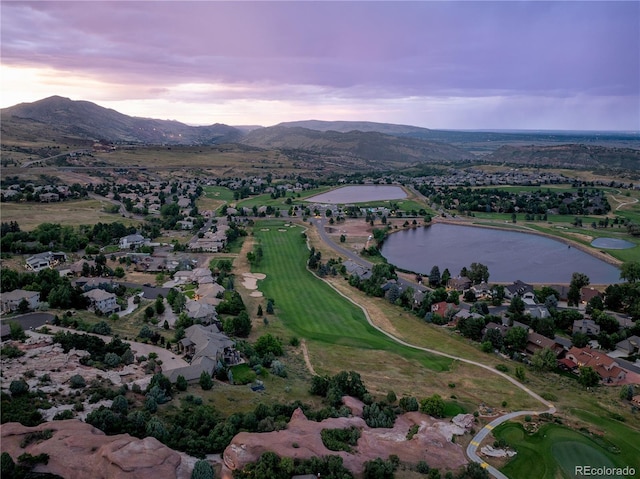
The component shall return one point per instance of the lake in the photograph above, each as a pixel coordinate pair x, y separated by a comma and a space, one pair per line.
359, 194
509, 255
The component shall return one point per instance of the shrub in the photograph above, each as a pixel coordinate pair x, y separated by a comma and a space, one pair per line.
76, 382
278, 369
205, 382
413, 430
527, 418
502, 368
11, 351
18, 387
202, 470
340, 439
62, 415
181, 383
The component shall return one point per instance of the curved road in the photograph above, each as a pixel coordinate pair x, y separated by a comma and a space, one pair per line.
477, 439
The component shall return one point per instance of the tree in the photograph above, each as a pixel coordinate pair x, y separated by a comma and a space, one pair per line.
76, 382
433, 406
268, 344
205, 382
149, 312
17, 333
120, 405
260, 312
23, 306
159, 306
446, 276
579, 339
202, 470
516, 338
494, 336
630, 271
588, 376
520, 374
434, 276
544, 360
516, 308
478, 273
270, 304
578, 281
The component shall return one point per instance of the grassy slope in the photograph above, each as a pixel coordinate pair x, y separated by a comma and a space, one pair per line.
311, 308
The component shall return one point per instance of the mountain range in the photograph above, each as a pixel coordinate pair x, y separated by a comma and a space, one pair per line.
67, 121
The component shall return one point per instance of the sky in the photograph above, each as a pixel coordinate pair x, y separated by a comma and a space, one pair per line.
549, 65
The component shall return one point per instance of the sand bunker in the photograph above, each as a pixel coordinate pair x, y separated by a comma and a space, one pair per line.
256, 294
251, 280
282, 230
264, 229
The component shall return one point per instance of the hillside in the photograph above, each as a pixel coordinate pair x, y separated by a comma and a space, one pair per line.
373, 147
61, 117
364, 126
568, 155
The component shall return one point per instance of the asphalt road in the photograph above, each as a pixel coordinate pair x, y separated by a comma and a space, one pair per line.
31, 320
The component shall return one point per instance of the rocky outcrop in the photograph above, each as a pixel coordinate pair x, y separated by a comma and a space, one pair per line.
301, 439
78, 450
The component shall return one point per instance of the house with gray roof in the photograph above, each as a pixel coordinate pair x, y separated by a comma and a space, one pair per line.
12, 299
101, 300
205, 346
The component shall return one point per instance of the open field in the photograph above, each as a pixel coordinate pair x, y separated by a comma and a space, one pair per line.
554, 451
73, 213
280, 202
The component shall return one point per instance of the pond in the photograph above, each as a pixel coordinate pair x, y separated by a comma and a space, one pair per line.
359, 194
509, 255
612, 243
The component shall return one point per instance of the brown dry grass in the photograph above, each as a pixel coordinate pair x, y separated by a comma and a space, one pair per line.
73, 213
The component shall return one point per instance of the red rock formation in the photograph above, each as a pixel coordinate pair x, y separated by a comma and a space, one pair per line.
78, 450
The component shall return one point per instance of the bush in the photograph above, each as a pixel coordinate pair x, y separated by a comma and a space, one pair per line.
18, 387
101, 328
76, 382
340, 439
278, 369
62, 415
502, 368
11, 352
205, 382
181, 383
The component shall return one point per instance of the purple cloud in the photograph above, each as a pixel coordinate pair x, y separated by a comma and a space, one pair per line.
359, 50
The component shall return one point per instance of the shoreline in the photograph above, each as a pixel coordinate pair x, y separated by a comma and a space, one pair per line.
607, 258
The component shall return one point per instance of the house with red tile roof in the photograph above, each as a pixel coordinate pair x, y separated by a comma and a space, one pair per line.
607, 368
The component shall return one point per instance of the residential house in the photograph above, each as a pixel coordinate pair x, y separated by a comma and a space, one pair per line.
182, 277
539, 312
482, 291
205, 346
200, 311
503, 328
131, 241
356, 269
11, 300
588, 293
103, 301
41, 261
461, 283
607, 368
443, 308
586, 326
536, 342
518, 288
629, 346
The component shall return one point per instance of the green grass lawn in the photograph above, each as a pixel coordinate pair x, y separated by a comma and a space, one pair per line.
218, 192
310, 308
554, 451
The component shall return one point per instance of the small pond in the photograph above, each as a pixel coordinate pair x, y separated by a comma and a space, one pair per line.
509, 255
359, 194
612, 243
